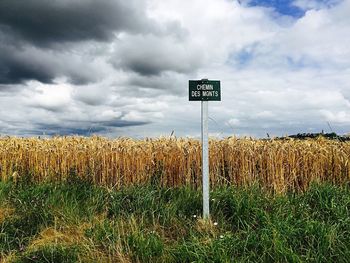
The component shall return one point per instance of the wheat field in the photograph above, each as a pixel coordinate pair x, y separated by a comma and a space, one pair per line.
277, 165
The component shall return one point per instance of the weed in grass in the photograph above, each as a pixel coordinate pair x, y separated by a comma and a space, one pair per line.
145, 247
241, 208
104, 234
28, 219
5, 188
150, 202
51, 254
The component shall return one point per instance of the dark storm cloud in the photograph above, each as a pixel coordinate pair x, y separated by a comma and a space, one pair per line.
60, 130
18, 65
14, 69
82, 128
47, 22
37, 37
122, 123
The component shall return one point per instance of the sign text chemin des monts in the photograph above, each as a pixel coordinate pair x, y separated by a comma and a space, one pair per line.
204, 90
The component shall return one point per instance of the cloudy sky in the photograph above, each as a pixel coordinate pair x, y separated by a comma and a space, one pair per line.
121, 68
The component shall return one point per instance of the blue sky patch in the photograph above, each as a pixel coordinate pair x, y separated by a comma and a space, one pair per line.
243, 57
289, 7
284, 7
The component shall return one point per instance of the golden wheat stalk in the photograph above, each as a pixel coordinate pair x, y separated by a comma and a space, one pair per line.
278, 165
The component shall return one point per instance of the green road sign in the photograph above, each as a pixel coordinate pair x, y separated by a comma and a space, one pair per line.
204, 90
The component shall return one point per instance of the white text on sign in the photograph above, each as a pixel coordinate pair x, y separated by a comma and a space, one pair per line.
198, 93
204, 90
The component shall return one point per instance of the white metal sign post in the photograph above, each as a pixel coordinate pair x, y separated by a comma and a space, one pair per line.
205, 90
205, 158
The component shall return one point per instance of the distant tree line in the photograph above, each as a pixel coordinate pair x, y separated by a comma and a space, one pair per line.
330, 136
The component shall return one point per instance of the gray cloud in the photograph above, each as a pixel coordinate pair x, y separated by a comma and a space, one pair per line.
65, 20
151, 55
92, 95
155, 85
7, 88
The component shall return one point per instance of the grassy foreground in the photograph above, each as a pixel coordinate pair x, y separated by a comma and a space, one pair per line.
79, 222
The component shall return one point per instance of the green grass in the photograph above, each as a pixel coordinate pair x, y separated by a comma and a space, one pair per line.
79, 222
